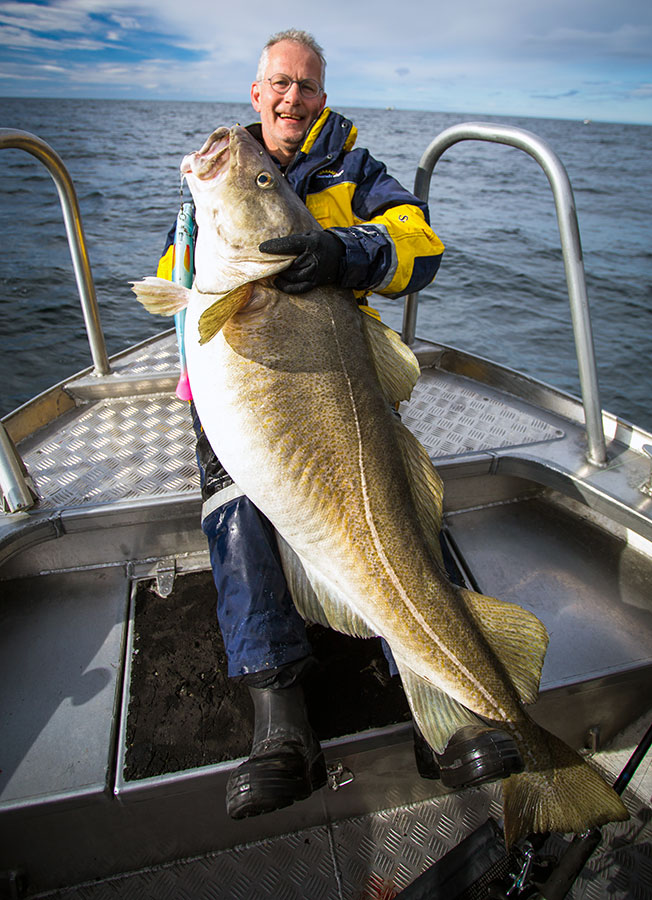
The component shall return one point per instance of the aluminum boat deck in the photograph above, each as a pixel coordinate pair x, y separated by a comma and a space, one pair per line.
120, 504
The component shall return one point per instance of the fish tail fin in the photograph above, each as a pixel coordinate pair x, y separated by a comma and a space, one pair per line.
559, 792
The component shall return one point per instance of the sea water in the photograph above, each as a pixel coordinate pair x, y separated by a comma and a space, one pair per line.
501, 290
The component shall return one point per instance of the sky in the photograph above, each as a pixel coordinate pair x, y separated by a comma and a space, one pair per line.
569, 59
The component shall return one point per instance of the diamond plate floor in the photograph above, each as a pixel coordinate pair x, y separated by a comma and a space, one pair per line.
450, 417
153, 358
117, 449
370, 857
375, 856
143, 446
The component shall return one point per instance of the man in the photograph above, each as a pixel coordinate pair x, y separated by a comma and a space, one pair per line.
376, 237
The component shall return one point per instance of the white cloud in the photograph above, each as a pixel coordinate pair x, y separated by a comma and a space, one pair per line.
412, 54
127, 23
20, 39
36, 25
34, 17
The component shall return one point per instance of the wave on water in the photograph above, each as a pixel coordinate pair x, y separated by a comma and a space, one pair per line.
500, 292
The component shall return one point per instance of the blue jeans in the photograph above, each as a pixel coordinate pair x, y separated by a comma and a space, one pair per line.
260, 625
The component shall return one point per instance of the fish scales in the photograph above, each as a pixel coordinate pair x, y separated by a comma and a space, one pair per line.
293, 393
333, 481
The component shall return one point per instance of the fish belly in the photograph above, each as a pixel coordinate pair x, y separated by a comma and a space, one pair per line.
274, 396
291, 404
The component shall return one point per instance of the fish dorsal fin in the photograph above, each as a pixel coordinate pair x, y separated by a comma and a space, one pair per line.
425, 485
437, 715
396, 365
226, 305
318, 600
516, 636
160, 296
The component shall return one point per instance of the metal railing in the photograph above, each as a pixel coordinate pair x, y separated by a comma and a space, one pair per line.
22, 140
12, 480
14, 486
571, 251
15, 490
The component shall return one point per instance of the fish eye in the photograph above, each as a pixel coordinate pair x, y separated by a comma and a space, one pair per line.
265, 180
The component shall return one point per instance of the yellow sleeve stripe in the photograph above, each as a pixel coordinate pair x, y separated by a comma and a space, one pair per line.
412, 237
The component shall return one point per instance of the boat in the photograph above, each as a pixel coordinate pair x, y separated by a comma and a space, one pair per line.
106, 583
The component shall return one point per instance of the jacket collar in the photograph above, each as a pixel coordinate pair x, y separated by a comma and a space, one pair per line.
327, 137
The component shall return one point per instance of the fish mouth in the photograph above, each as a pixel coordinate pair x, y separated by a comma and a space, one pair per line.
211, 161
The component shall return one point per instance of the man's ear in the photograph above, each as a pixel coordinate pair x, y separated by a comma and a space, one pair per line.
255, 96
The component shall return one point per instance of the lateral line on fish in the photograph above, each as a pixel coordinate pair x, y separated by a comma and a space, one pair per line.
389, 569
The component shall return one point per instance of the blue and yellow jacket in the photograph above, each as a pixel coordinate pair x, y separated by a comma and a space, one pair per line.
390, 247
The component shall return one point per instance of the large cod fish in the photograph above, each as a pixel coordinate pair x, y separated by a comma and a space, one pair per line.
295, 394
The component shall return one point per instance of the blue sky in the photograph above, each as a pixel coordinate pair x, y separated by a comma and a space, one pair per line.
581, 59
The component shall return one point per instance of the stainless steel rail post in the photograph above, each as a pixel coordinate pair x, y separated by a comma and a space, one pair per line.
571, 251
23, 140
14, 488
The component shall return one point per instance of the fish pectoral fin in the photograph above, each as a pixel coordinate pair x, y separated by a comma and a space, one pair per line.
218, 313
160, 296
516, 636
316, 599
435, 712
396, 365
426, 487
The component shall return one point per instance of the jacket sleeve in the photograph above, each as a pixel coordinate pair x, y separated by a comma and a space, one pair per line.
391, 247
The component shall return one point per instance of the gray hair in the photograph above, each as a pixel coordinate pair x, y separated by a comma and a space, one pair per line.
299, 37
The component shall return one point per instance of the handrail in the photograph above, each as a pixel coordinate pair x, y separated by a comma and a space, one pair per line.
23, 140
15, 490
13, 481
571, 251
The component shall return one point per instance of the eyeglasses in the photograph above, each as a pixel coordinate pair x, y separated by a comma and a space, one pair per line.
308, 87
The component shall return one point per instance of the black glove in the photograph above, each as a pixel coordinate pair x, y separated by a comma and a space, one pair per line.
320, 258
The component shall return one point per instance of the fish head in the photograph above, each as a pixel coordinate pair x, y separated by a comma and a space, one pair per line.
241, 199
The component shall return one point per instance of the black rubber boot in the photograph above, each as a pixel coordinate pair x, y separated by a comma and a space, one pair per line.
424, 756
286, 762
476, 754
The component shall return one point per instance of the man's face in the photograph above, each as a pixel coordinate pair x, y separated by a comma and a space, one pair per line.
287, 117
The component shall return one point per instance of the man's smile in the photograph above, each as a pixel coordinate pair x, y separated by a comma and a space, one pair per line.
287, 114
